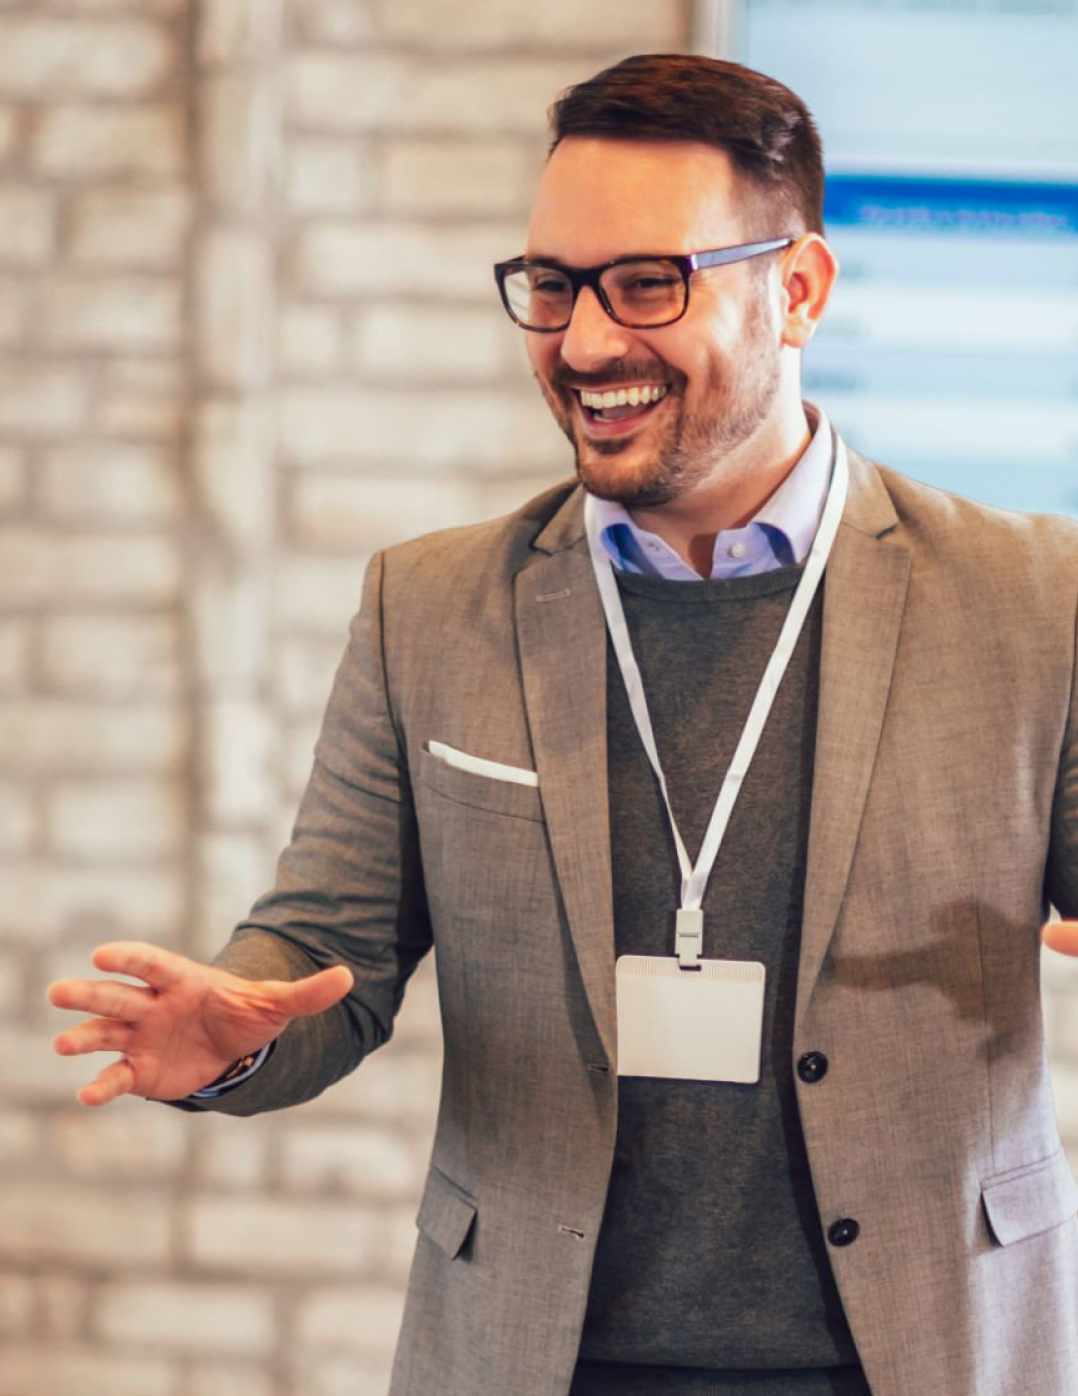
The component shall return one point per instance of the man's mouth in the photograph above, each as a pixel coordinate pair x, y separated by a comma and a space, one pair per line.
616, 404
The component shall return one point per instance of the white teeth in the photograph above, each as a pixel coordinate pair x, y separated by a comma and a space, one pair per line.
636, 396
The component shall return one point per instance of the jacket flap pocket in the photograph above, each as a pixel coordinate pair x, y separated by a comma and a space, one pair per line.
446, 1214
1030, 1200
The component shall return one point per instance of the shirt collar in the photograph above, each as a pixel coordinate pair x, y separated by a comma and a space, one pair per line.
778, 534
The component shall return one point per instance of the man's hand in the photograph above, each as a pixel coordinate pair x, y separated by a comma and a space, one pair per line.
1061, 936
184, 1025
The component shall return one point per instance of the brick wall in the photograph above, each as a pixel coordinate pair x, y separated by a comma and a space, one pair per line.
247, 334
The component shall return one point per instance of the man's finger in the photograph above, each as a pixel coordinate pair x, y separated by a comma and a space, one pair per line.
116, 1080
97, 1035
1061, 936
103, 997
158, 968
317, 992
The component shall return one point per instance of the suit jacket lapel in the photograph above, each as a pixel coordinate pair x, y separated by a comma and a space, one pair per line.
562, 641
864, 599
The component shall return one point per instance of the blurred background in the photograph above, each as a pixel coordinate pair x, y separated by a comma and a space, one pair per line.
248, 334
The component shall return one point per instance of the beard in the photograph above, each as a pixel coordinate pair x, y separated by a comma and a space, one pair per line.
706, 421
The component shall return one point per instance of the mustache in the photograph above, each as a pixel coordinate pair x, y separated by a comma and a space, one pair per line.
616, 371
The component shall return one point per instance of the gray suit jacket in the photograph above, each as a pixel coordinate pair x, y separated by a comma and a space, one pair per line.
945, 814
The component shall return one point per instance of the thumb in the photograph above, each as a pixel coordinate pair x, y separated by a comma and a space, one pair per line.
1061, 936
316, 993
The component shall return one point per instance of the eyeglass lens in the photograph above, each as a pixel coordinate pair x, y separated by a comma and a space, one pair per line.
645, 292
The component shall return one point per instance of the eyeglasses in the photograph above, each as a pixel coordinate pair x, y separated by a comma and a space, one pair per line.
638, 292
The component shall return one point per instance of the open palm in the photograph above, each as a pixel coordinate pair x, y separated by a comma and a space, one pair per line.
184, 1024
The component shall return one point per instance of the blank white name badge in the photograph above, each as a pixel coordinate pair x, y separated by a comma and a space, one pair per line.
690, 1025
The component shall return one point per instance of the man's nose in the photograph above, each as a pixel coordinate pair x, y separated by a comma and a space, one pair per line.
591, 336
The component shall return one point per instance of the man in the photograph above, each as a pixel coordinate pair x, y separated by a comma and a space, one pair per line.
776, 1120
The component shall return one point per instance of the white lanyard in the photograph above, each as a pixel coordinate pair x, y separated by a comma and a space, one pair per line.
690, 916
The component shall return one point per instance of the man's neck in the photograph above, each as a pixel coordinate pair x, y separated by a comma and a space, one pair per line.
691, 523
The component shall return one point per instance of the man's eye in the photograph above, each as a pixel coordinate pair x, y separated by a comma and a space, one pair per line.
549, 286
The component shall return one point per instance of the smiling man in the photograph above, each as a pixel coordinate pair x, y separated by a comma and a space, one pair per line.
733, 781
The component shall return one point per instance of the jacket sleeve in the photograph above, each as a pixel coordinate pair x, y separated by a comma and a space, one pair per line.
349, 887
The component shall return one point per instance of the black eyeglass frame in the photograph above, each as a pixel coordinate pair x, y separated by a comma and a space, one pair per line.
578, 277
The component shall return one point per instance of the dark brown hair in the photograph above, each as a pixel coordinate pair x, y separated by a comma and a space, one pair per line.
766, 129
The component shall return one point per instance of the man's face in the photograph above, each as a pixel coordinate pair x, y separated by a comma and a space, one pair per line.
716, 373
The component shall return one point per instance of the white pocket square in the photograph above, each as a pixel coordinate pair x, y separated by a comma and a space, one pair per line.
480, 766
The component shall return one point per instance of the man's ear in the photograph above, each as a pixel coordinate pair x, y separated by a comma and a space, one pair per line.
809, 270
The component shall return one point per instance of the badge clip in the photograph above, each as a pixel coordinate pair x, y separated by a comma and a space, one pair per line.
689, 937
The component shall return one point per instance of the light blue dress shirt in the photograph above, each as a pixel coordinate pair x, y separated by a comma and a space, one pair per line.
779, 534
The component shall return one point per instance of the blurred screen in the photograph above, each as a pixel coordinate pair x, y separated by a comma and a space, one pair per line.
950, 127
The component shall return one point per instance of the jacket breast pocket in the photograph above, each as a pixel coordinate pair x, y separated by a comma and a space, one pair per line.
1026, 1201
479, 792
446, 1214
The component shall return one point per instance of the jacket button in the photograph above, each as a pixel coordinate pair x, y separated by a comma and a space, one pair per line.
812, 1067
844, 1232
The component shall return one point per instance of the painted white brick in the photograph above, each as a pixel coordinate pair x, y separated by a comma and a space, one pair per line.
15, 638
495, 24
114, 484
130, 228
200, 1318
365, 513
309, 341
116, 822
27, 222
13, 999
436, 343
365, 1162
498, 497
113, 656
317, 595
9, 132
62, 1305
239, 151
442, 262
18, 817
428, 177
38, 400
127, 1143
39, 1079
233, 869
335, 22
235, 295
354, 1318
12, 478
46, 903
153, 377
237, 759
31, 1370
15, 300
90, 142
231, 609
320, 1375
305, 669
82, 311
233, 461
230, 1379
486, 431
38, 566
237, 31
53, 735
109, 58
327, 176
232, 1155
139, 415
278, 1237
16, 1305
346, 94
20, 1144
50, 1222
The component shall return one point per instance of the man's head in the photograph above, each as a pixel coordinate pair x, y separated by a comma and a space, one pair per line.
668, 156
